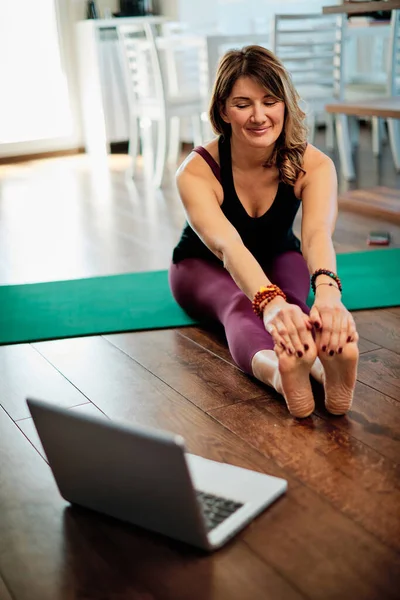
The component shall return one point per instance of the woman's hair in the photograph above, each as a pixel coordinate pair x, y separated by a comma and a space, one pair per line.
264, 68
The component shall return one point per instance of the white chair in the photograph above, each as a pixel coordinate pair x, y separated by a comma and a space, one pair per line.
310, 46
373, 47
394, 84
166, 79
218, 44
373, 109
174, 28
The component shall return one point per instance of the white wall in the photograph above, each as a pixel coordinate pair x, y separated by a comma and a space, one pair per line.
234, 16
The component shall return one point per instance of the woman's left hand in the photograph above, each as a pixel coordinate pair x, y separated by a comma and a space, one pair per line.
334, 322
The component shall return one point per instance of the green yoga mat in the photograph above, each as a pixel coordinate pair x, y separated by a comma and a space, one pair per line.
137, 301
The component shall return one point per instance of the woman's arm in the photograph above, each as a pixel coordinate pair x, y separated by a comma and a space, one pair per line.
319, 198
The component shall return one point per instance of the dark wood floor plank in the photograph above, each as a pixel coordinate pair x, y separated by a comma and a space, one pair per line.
380, 369
28, 428
379, 326
176, 572
32, 555
24, 372
51, 552
4, 593
194, 372
124, 390
213, 340
210, 338
353, 477
366, 346
352, 231
379, 202
374, 418
347, 564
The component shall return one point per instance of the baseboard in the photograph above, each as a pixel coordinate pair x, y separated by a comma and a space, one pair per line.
7, 160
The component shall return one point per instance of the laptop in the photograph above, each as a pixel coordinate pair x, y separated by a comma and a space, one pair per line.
146, 477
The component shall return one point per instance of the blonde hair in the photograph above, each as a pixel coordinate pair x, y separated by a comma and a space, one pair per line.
266, 69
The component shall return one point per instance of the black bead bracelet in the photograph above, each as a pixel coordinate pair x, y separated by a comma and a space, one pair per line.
329, 274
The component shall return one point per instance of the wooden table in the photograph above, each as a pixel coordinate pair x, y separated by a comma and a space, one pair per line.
352, 8
387, 108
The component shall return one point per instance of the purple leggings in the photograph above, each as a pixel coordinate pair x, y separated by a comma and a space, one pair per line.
206, 291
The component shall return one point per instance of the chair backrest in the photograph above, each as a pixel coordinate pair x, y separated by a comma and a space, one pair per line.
217, 45
141, 63
394, 55
160, 69
174, 28
183, 63
311, 48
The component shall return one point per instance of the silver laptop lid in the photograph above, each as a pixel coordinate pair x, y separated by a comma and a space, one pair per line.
131, 473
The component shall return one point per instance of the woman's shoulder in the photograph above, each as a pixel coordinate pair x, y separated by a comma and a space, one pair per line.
198, 163
314, 161
314, 158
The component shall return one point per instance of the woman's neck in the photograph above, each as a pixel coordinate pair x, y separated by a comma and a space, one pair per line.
244, 157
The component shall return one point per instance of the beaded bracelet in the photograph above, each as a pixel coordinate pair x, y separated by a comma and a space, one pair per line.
329, 274
265, 295
330, 285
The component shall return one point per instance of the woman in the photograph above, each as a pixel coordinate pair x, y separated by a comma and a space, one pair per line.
238, 261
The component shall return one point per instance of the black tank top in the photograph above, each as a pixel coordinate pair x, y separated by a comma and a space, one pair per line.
265, 236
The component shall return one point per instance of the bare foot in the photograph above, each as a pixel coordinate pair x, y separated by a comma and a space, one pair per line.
295, 381
340, 378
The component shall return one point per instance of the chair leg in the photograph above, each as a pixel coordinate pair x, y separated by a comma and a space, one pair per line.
354, 131
161, 151
197, 130
376, 136
311, 128
330, 131
174, 142
344, 146
394, 139
206, 130
133, 142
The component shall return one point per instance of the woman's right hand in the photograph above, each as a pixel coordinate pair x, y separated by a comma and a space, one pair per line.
290, 328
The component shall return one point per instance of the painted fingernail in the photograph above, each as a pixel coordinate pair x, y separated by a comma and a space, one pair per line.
331, 352
349, 338
283, 346
323, 348
340, 350
289, 350
306, 347
316, 325
299, 353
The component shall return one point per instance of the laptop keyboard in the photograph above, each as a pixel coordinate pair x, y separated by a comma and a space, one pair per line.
215, 509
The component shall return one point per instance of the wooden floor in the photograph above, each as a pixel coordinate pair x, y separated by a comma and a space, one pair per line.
334, 535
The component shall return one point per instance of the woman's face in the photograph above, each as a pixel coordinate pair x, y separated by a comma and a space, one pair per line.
255, 117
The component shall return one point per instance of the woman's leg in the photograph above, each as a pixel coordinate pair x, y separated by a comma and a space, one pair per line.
207, 291
289, 271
